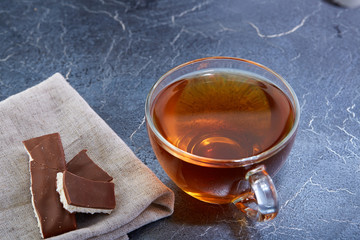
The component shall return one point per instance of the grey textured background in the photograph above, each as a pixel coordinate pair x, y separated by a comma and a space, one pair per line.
113, 51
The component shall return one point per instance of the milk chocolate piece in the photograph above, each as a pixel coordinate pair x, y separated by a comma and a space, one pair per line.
47, 151
53, 219
46, 160
81, 165
79, 194
33, 142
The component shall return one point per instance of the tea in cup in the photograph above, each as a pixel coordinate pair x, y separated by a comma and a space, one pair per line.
221, 127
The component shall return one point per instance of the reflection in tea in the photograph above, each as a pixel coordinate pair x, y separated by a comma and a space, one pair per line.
220, 115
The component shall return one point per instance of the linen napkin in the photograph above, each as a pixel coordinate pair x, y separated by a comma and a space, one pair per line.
54, 106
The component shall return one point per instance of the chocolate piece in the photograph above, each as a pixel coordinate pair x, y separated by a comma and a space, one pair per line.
33, 142
53, 219
79, 194
48, 151
46, 160
83, 166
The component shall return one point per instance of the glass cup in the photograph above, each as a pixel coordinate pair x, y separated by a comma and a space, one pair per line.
245, 181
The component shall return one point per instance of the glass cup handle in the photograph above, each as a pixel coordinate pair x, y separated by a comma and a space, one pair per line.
261, 203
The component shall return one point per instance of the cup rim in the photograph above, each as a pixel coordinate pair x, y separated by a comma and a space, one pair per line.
200, 160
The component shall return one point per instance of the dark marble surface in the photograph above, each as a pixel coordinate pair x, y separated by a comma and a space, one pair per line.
113, 51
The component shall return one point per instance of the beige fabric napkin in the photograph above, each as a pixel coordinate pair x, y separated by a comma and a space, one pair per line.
54, 106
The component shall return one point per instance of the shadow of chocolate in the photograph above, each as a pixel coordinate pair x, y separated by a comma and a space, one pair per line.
84, 220
191, 211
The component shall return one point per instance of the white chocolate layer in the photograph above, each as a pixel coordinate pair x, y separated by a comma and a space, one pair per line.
32, 198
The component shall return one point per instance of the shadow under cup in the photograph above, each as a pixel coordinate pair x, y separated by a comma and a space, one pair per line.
245, 181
